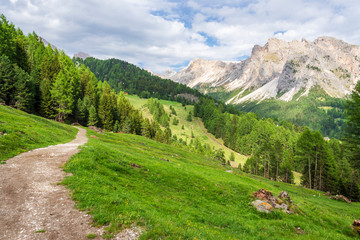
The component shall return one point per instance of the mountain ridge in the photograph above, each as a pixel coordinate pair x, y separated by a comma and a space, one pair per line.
278, 70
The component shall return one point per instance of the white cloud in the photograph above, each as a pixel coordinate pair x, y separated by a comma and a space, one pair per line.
159, 34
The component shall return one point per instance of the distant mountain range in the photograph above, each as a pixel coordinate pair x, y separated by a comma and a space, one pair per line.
278, 70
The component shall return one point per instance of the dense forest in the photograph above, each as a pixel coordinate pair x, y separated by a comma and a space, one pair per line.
39, 79
277, 149
123, 76
318, 111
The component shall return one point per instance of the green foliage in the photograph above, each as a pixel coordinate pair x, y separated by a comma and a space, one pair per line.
157, 110
232, 157
173, 111
175, 121
91, 236
123, 76
352, 136
7, 80
317, 111
125, 180
189, 117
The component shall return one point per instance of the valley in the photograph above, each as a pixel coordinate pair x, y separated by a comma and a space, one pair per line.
201, 154
196, 126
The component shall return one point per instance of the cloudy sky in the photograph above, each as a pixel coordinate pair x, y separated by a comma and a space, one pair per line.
167, 34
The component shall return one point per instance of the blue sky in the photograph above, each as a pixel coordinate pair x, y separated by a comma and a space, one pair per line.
167, 34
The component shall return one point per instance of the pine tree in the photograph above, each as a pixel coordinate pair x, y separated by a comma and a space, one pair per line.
61, 93
189, 117
47, 103
352, 137
7, 80
126, 127
232, 157
93, 116
24, 90
145, 128
106, 107
304, 154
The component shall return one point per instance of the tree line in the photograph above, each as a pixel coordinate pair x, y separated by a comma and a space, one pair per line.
123, 76
39, 79
276, 149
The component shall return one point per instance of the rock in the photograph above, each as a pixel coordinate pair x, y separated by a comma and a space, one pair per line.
340, 198
266, 195
327, 194
285, 196
266, 199
96, 129
262, 206
278, 67
356, 224
93, 136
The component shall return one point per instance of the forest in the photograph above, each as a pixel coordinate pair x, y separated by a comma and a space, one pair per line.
317, 110
123, 76
277, 149
39, 79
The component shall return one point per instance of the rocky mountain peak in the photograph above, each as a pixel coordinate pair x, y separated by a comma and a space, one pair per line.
81, 55
279, 69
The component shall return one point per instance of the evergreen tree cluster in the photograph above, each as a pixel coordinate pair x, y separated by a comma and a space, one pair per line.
123, 76
277, 149
158, 112
41, 80
317, 110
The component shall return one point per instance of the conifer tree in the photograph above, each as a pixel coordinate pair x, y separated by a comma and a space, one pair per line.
93, 116
24, 90
7, 80
352, 137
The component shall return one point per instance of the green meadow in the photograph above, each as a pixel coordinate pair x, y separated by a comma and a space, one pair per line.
21, 132
124, 180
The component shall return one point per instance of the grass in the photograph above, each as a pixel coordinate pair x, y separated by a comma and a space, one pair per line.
196, 126
21, 132
125, 180
40, 231
91, 236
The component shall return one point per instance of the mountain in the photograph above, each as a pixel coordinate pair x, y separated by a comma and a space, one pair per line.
81, 55
278, 70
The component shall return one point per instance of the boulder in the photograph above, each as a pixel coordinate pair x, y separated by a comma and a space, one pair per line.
266, 195
356, 224
262, 206
341, 198
267, 202
285, 197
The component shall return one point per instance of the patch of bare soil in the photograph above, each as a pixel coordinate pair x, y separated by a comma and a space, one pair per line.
33, 206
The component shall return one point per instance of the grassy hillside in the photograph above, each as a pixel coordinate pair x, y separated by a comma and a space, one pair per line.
174, 194
21, 132
196, 126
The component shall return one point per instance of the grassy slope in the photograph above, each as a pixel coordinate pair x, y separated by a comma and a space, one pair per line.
21, 132
125, 179
196, 126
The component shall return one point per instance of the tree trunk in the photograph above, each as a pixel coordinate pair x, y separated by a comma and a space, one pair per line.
315, 177
320, 179
269, 166
264, 164
277, 169
309, 171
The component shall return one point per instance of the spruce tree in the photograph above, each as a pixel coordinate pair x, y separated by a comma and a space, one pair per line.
93, 116
24, 90
352, 137
7, 80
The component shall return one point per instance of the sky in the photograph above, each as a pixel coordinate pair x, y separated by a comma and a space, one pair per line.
167, 34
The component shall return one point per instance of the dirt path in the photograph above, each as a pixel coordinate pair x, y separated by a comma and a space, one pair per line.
31, 200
